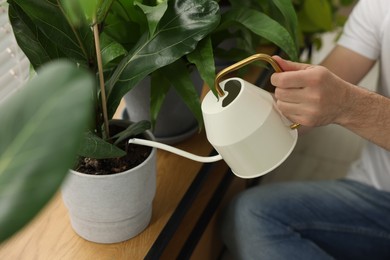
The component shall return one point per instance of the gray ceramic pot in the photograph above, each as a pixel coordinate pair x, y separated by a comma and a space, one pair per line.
175, 121
111, 208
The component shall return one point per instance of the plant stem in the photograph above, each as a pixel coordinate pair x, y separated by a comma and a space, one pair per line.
101, 77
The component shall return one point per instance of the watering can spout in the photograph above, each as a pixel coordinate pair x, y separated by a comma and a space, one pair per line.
175, 150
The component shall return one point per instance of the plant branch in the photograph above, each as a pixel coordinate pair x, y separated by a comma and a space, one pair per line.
101, 77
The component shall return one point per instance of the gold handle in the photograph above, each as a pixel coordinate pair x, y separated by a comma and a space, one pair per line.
242, 63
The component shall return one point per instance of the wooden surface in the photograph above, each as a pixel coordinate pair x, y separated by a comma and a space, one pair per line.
50, 236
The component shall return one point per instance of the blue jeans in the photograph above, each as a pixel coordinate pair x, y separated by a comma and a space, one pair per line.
339, 219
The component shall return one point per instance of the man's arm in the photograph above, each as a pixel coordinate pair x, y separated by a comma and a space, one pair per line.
347, 64
319, 95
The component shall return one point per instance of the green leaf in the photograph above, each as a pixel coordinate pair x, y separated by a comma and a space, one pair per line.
179, 77
125, 22
263, 26
42, 125
111, 51
86, 11
183, 25
319, 14
95, 147
49, 29
291, 21
347, 2
37, 47
159, 87
174, 75
203, 58
80, 11
153, 14
103, 8
306, 25
132, 131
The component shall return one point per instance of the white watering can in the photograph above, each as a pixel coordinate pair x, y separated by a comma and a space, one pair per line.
244, 126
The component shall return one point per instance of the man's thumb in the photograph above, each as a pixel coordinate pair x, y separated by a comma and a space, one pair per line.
287, 65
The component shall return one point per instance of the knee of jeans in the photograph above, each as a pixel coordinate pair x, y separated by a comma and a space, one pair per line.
253, 205
231, 221
238, 215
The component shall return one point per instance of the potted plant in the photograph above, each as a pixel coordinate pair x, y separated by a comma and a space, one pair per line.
48, 30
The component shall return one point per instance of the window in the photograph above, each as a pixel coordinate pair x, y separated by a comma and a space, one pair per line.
14, 66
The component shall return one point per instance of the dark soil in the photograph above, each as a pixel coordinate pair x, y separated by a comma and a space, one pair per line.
136, 154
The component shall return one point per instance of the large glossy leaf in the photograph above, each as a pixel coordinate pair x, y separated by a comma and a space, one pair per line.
290, 17
153, 14
263, 26
125, 22
203, 58
41, 128
183, 25
49, 29
111, 51
37, 47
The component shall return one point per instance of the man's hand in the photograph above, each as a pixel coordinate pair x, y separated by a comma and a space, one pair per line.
317, 95
308, 94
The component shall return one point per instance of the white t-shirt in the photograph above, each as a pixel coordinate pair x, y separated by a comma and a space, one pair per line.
367, 32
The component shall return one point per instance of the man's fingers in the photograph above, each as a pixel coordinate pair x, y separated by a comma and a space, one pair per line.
289, 95
287, 65
289, 110
294, 74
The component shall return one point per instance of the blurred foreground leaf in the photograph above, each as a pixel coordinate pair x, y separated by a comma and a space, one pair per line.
41, 129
